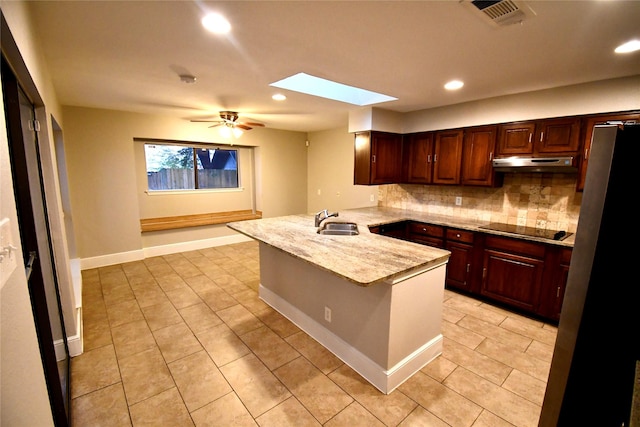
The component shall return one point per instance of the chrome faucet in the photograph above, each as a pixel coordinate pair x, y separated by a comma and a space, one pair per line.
322, 215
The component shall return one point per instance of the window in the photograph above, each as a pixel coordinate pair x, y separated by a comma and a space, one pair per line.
171, 167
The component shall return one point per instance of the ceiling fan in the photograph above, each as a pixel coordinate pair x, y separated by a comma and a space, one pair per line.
230, 124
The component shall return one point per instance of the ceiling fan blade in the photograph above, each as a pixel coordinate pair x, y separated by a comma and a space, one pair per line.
254, 124
215, 125
205, 121
242, 126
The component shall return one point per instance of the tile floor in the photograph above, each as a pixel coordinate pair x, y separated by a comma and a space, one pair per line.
183, 340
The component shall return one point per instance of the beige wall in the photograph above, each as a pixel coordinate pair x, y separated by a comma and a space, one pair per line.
107, 179
330, 171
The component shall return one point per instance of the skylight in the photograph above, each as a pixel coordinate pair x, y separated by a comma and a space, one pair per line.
311, 85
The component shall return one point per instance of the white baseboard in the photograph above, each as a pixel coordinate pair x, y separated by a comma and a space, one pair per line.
122, 257
384, 380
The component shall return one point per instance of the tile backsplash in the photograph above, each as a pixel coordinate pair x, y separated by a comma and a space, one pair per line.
542, 200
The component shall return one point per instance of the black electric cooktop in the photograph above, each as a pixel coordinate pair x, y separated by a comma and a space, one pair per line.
527, 231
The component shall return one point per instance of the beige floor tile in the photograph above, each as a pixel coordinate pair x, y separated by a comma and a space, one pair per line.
104, 407
497, 333
443, 402
463, 336
200, 283
95, 333
532, 329
388, 408
540, 350
183, 297
504, 353
150, 294
117, 293
124, 312
258, 389
488, 419
487, 367
239, 319
226, 411
277, 322
272, 350
140, 280
144, 375
250, 300
420, 417
439, 368
199, 380
132, 338
159, 268
166, 409
93, 370
289, 413
354, 415
229, 283
222, 345
161, 315
452, 315
170, 281
473, 308
217, 299
321, 396
526, 386
199, 317
503, 403
316, 353
176, 341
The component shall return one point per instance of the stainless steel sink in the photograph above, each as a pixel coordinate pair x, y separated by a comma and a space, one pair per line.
339, 228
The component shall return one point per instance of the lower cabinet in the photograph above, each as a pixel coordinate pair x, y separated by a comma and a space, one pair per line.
427, 234
462, 264
512, 272
555, 282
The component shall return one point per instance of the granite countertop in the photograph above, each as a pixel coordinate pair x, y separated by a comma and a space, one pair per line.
367, 258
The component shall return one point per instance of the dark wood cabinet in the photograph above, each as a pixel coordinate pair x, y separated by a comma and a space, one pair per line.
462, 263
589, 123
478, 148
558, 136
418, 158
378, 158
397, 230
557, 261
447, 156
512, 271
426, 234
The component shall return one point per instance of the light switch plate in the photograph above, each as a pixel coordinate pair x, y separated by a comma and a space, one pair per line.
8, 253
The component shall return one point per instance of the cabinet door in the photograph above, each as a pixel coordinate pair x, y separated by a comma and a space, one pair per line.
477, 153
362, 159
426, 234
459, 266
512, 279
419, 158
386, 158
557, 260
515, 139
558, 136
589, 124
447, 157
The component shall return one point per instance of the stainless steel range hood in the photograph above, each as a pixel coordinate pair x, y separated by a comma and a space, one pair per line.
536, 164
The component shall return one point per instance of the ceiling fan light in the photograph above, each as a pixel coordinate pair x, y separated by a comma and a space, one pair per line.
225, 132
237, 132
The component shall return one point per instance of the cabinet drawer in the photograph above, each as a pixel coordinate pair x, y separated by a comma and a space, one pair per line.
460, 235
426, 229
517, 246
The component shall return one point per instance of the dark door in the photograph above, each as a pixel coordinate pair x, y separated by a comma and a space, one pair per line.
35, 238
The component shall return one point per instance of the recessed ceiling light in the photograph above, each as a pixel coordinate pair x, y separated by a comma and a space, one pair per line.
453, 85
278, 97
187, 78
317, 86
628, 47
216, 23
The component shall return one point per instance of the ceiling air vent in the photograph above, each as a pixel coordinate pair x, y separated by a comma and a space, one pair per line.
503, 12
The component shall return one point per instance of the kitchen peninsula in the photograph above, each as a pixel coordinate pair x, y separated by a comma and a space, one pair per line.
374, 301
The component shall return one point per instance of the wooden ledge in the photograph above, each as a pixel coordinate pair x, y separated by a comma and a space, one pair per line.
184, 221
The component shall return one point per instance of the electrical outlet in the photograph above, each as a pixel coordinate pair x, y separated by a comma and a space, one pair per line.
372, 198
327, 314
458, 201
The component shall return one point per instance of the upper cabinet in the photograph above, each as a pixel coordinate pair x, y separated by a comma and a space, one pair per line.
447, 156
418, 158
539, 138
590, 123
478, 148
378, 158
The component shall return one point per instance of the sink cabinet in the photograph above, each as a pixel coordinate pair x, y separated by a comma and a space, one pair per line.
378, 158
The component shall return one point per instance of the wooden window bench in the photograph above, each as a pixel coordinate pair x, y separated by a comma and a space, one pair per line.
197, 220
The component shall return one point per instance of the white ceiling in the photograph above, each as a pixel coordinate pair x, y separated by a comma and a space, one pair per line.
128, 55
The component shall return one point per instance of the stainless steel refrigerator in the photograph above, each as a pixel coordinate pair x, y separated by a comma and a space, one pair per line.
593, 378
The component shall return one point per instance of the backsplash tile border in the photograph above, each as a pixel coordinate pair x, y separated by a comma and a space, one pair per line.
543, 200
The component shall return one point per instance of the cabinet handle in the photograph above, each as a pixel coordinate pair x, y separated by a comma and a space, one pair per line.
541, 136
435, 158
558, 292
586, 153
458, 235
373, 158
468, 267
429, 158
530, 135
490, 155
484, 272
424, 229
